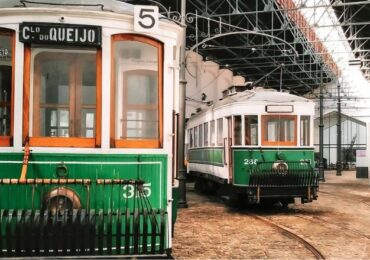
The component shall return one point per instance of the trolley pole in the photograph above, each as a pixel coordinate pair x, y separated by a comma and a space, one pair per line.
339, 136
181, 131
321, 135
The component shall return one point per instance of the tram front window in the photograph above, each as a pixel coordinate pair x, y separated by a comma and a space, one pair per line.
279, 130
137, 92
64, 94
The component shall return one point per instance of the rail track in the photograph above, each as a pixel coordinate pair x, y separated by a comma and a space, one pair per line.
326, 222
292, 235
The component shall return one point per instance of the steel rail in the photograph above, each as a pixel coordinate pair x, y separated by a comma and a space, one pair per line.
292, 235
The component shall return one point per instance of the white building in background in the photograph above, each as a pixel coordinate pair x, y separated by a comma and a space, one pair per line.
353, 138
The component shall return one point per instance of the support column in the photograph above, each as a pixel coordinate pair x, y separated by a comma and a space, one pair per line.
181, 131
321, 135
339, 136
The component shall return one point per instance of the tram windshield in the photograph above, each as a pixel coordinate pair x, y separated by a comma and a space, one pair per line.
279, 130
137, 90
64, 94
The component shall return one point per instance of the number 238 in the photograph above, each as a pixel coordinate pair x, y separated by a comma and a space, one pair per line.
250, 161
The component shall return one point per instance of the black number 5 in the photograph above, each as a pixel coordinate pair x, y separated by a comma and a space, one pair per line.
147, 16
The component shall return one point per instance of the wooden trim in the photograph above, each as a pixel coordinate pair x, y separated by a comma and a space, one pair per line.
98, 107
265, 118
5, 141
112, 95
137, 143
160, 93
62, 142
26, 91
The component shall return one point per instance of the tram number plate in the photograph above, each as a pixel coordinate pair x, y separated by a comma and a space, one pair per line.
145, 18
129, 191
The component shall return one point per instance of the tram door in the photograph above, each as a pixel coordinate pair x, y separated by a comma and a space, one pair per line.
228, 145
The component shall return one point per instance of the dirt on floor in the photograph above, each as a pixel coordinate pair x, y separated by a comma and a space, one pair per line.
338, 224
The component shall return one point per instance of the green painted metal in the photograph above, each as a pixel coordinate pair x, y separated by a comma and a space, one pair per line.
212, 156
245, 159
149, 168
116, 211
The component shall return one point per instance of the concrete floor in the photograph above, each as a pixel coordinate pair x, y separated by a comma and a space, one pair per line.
338, 224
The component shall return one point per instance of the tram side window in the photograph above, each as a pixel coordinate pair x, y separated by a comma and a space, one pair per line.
213, 133
279, 130
220, 128
137, 98
200, 127
251, 130
305, 130
237, 130
191, 141
64, 89
195, 136
206, 142
6, 85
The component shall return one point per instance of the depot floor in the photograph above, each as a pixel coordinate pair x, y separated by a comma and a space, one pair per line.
338, 224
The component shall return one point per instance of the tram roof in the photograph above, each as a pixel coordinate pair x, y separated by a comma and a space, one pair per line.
263, 95
95, 5
258, 95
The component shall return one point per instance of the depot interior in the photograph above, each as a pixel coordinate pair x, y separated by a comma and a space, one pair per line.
311, 48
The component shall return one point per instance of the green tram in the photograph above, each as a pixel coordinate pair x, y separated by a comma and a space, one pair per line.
254, 145
86, 131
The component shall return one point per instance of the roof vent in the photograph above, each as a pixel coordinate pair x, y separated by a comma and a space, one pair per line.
233, 90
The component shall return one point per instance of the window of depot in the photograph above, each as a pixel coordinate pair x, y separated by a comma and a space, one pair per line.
137, 99
7, 59
64, 96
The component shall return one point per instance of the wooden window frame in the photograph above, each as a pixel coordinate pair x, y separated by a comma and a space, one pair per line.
6, 141
265, 119
41, 141
136, 143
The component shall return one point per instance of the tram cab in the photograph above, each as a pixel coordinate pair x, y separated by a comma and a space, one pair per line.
86, 132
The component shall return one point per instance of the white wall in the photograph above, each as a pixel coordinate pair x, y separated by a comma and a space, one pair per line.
206, 77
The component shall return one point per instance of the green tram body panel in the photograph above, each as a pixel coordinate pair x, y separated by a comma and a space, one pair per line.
111, 220
149, 168
245, 158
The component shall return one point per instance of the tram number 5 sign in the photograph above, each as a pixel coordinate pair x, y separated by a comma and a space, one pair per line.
145, 18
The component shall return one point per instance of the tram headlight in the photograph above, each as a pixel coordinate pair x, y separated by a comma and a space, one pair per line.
280, 167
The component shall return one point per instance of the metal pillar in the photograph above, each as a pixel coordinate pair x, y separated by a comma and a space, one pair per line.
181, 131
339, 136
321, 135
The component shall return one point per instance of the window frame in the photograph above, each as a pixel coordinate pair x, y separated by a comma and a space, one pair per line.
234, 134
265, 119
136, 143
220, 122
7, 140
46, 141
302, 131
247, 130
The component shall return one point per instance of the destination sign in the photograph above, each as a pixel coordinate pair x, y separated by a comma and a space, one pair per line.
64, 34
